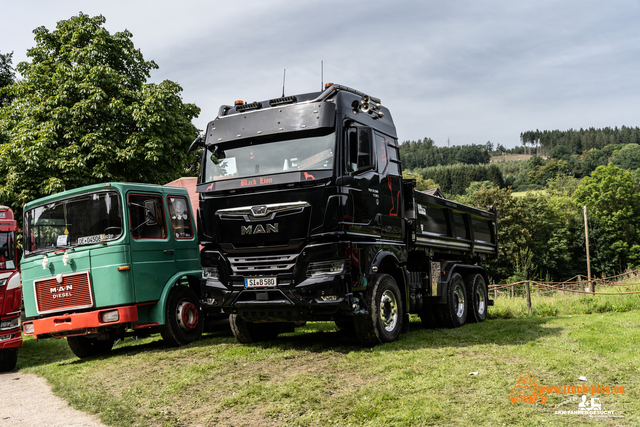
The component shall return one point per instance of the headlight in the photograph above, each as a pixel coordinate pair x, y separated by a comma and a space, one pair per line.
110, 316
28, 328
10, 324
210, 273
325, 268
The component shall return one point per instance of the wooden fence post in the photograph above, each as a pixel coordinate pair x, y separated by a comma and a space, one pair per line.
527, 291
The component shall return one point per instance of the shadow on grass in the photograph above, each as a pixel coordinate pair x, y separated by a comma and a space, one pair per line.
320, 337
56, 350
317, 337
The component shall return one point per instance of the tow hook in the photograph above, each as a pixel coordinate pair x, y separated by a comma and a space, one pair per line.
357, 309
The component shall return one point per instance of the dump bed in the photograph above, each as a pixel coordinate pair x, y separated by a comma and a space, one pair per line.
450, 228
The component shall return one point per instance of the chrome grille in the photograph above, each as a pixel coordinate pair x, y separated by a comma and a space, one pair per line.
72, 292
263, 264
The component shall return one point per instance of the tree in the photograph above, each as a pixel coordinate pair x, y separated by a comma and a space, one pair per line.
7, 77
421, 183
613, 204
628, 157
83, 113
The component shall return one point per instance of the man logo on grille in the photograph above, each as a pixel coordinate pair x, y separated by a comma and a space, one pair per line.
260, 229
259, 210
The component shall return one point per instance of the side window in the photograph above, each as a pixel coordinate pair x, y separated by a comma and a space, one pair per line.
179, 216
359, 149
146, 214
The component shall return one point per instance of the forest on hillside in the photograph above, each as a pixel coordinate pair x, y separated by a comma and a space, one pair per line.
542, 199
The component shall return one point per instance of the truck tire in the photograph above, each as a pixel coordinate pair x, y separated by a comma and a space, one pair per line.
477, 298
184, 321
87, 347
453, 314
8, 360
250, 332
383, 322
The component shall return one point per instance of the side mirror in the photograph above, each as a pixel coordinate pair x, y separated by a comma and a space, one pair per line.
198, 142
150, 213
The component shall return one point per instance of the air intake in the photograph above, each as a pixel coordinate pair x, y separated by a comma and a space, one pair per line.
283, 100
245, 107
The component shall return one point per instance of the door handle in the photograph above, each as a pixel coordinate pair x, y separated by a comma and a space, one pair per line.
168, 251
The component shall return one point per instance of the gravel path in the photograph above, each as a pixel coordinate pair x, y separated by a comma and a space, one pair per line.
27, 400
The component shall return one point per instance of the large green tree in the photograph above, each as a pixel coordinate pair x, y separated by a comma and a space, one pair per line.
613, 204
84, 113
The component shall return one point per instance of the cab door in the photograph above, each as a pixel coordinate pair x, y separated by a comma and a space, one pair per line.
152, 251
363, 178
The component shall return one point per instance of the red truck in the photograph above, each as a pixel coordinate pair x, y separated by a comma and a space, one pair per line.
10, 292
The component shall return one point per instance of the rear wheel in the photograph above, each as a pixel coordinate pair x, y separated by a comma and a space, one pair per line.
250, 332
477, 297
87, 347
183, 318
8, 360
453, 314
383, 322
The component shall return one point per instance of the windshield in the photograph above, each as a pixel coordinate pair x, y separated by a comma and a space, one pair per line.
7, 250
90, 218
311, 153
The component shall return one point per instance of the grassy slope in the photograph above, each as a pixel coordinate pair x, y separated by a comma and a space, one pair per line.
319, 377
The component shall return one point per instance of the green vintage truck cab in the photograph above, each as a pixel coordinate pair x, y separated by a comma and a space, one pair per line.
111, 260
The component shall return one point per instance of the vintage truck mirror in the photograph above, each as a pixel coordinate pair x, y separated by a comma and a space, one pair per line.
150, 212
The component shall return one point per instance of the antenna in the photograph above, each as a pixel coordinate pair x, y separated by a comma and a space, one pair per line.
283, 78
321, 76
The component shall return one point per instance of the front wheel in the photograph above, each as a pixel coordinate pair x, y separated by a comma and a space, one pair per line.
8, 360
87, 347
249, 332
383, 322
183, 318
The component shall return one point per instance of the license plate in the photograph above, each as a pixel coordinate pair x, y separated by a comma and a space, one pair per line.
260, 282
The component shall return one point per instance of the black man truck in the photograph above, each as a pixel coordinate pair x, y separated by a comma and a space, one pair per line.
304, 216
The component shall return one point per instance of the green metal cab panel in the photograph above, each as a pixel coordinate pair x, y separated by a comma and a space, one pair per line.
32, 270
152, 265
110, 286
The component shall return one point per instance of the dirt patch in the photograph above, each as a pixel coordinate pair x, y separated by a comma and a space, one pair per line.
27, 400
512, 158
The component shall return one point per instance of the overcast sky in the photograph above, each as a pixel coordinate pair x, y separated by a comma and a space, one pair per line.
463, 71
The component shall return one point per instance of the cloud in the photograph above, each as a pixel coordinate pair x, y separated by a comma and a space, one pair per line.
464, 70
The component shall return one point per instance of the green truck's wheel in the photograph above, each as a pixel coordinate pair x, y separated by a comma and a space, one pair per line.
8, 360
87, 347
383, 322
183, 318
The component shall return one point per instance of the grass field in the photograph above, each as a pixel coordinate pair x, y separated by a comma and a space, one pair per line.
318, 376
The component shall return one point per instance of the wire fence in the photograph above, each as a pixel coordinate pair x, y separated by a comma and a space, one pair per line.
577, 285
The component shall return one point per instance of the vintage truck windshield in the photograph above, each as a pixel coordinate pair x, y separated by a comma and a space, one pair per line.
90, 218
7, 250
309, 153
